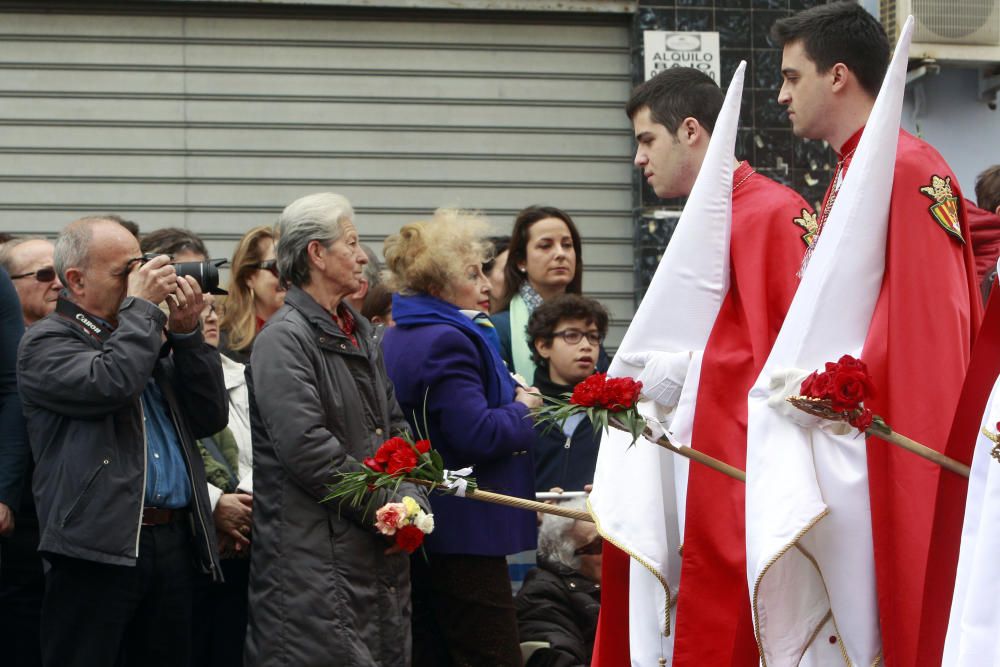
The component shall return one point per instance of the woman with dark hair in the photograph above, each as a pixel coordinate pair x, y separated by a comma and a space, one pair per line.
544, 260
454, 389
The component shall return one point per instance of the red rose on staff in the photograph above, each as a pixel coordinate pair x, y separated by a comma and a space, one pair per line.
409, 538
850, 387
862, 420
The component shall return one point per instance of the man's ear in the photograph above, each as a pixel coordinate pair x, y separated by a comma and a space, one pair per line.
996, 211
840, 75
74, 280
690, 130
544, 348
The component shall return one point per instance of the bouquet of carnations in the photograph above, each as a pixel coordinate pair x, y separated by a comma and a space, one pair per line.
401, 459
606, 401
397, 460
406, 522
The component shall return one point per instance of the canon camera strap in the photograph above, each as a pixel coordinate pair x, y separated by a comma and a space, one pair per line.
83, 319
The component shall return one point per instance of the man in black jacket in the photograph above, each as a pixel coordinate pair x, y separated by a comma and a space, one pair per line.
114, 403
560, 600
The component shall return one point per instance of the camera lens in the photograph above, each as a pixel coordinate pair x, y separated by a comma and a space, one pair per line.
206, 273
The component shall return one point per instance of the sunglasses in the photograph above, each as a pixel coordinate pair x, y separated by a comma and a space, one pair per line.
270, 265
46, 275
592, 548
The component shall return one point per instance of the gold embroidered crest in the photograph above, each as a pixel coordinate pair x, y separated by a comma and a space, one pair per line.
945, 208
810, 223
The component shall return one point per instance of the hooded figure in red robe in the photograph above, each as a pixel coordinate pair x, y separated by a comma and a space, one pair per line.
920, 338
673, 115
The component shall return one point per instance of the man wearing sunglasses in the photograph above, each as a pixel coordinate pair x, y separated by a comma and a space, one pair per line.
30, 265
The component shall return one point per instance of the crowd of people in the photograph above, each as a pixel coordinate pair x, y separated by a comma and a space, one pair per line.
166, 447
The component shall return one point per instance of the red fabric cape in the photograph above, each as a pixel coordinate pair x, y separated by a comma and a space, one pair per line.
984, 227
917, 350
714, 624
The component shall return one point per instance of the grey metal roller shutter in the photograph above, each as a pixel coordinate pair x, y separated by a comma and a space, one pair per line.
216, 121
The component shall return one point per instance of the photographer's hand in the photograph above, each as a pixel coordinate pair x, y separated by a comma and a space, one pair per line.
154, 280
185, 306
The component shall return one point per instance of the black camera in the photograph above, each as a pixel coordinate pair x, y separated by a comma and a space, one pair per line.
206, 273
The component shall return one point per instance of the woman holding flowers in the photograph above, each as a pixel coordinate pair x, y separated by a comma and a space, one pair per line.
455, 390
327, 586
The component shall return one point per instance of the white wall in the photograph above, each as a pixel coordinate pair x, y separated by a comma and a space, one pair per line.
949, 115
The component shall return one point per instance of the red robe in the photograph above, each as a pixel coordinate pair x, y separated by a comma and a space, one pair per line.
714, 623
917, 350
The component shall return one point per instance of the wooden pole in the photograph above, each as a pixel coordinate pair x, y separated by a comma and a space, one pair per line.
512, 501
924, 451
689, 453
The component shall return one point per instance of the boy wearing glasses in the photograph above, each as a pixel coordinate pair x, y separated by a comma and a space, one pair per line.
565, 335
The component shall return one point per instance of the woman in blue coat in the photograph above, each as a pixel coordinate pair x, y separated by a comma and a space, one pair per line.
444, 365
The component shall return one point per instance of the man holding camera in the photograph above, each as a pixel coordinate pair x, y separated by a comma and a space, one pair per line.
114, 404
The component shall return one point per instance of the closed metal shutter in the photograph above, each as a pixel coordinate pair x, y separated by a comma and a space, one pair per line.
215, 121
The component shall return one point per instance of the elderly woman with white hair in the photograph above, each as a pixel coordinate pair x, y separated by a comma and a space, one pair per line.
325, 587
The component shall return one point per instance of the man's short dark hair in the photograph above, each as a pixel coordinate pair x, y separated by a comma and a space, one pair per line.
988, 189
676, 94
547, 316
841, 32
173, 240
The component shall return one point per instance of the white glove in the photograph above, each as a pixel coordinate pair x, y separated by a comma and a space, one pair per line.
787, 382
662, 374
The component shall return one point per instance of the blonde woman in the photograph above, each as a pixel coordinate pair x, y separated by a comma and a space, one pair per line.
441, 354
255, 293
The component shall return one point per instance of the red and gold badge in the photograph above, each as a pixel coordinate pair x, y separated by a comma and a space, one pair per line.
945, 208
810, 223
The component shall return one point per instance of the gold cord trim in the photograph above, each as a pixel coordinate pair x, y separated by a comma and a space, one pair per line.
659, 577
840, 643
760, 577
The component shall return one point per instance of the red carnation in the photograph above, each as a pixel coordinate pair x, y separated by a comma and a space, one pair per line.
621, 394
402, 460
423, 446
385, 452
409, 538
589, 392
373, 464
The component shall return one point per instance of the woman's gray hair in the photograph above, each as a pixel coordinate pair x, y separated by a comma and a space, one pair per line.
554, 540
315, 217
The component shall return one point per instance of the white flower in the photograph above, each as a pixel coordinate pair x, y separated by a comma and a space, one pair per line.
425, 522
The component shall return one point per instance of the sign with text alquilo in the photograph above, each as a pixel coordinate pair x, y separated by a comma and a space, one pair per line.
666, 49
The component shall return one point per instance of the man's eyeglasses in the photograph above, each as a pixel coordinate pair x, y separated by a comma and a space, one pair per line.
270, 265
44, 275
592, 548
574, 336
